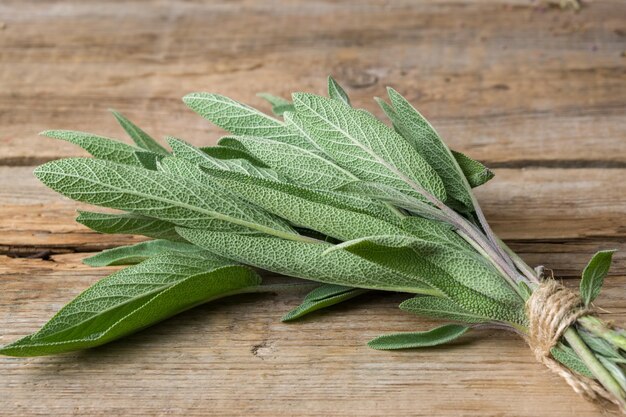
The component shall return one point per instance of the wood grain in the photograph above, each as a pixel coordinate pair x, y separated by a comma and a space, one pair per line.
234, 357
535, 91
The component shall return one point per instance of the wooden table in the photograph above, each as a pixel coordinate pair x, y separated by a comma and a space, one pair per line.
536, 92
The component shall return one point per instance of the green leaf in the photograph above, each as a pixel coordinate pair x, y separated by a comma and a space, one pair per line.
196, 156
321, 297
450, 271
570, 359
390, 195
141, 138
593, 275
148, 160
410, 340
416, 129
435, 231
139, 252
128, 224
240, 119
306, 140
323, 212
156, 194
228, 152
440, 308
279, 104
475, 172
363, 145
134, 298
303, 167
192, 154
336, 92
98, 146
305, 260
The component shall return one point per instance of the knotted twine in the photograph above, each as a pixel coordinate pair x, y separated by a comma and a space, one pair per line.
551, 309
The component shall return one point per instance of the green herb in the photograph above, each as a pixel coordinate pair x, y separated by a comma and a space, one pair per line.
325, 192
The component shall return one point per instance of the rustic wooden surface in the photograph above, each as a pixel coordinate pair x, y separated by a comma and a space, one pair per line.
535, 91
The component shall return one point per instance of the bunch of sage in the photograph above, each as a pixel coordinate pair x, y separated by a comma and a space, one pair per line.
327, 193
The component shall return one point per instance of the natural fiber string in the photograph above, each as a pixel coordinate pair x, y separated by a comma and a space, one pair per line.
551, 309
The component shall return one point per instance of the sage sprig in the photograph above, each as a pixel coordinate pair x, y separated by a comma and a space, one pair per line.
324, 192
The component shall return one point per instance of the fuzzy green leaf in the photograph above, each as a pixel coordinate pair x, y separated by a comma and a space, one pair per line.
410, 340
435, 231
141, 138
322, 297
418, 131
440, 308
323, 212
451, 272
394, 197
305, 260
336, 92
196, 156
475, 172
148, 160
279, 104
134, 298
240, 119
139, 252
303, 167
98, 146
228, 152
163, 196
363, 145
570, 359
593, 275
128, 224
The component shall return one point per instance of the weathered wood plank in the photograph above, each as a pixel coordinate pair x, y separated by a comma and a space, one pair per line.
234, 357
508, 82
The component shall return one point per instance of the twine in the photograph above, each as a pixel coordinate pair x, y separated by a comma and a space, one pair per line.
551, 309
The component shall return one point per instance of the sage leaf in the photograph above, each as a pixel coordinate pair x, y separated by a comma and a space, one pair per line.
240, 119
305, 260
128, 224
435, 231
98, 146
568, 357
419, 132
315, 210
306, 168
192, 154
322, 297
196, 156
279, 104
148, 160
440, 308
394, 197
141, 138
363, 145
139, 252
156, 194
443, 270
593, 275
134, 298
336, 92
411, 340
227, 152
476, 173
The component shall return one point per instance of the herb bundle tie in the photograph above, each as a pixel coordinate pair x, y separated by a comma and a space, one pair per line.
551, 310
